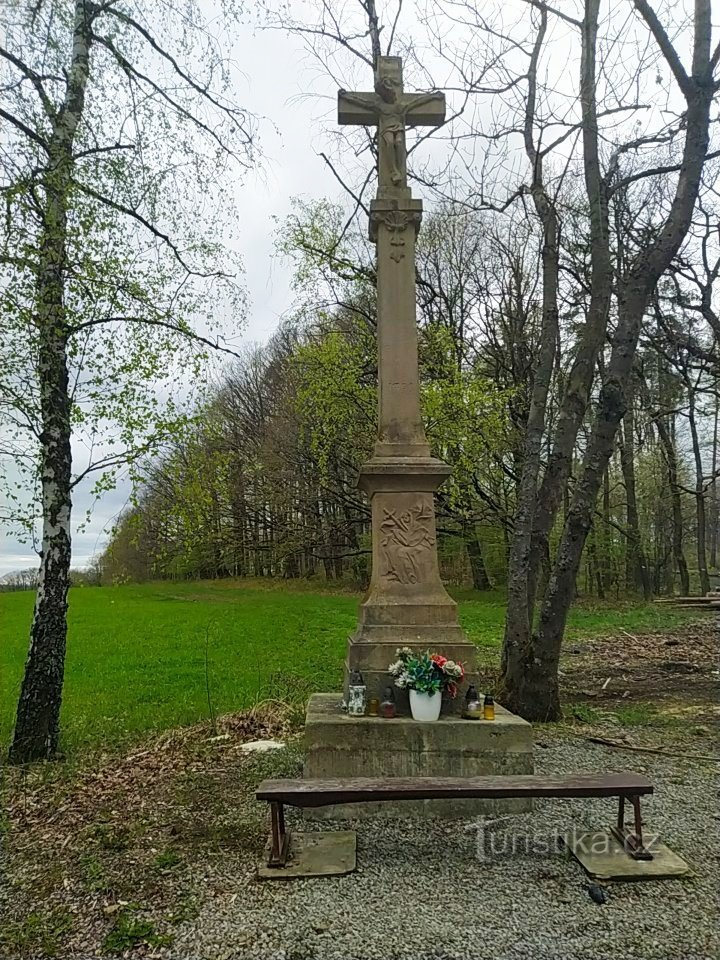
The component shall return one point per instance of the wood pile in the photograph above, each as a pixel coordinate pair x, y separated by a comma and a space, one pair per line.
711, 601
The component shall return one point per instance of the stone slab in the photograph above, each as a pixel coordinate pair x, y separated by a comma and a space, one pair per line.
604, 858
315, 855
339, 746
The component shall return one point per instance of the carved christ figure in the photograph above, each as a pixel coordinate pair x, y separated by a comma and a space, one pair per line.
392, 118
392, 111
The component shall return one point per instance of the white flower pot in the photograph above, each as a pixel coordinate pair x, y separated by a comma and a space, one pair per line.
425, 706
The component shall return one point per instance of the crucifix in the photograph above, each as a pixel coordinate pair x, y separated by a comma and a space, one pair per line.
391, 110
394, 222
407, 602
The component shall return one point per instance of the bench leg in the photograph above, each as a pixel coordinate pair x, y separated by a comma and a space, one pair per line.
279, 836
632, 840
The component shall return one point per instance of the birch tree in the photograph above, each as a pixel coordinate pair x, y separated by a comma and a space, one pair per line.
119, 136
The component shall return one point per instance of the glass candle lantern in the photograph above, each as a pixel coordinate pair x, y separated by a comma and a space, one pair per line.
473, 708
357, 695
387, 706
489, 708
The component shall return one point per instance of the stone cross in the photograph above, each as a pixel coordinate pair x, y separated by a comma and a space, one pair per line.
407, 604
394, 222
391, 109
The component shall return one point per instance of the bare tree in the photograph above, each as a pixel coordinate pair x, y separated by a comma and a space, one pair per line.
616, 271
536, 693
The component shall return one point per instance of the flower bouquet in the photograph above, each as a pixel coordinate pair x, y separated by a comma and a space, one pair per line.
425, 675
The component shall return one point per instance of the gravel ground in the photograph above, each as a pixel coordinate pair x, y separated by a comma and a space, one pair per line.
420, 892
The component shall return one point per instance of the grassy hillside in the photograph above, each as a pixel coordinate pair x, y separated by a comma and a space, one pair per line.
137, 653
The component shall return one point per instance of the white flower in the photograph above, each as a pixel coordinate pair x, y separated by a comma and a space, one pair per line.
395, 668
452, 669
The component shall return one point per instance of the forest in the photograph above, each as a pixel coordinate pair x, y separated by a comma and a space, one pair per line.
263, 484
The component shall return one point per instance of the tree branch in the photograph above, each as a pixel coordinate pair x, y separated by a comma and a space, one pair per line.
34, 78
546, 8
203, 91
128, 211
655, 172
190, 334
23, 128
131, 71
666, 47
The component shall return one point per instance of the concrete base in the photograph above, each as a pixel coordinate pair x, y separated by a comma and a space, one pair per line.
604, 858
339, 746
315, 855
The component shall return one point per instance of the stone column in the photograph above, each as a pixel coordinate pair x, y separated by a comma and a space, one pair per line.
407, 604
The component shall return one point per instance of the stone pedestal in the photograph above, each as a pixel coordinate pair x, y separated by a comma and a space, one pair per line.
407, 604
339, 746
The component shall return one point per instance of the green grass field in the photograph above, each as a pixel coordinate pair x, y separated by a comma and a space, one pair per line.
136, 656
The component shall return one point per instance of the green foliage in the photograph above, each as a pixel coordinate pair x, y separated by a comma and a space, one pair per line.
130, 931
167, 859
583, 713
93, 874
336, 398
111, 837
630, 715
466, 419
40, 933
322, 251
639, 715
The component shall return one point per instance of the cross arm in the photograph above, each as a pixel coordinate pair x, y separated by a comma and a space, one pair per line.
425, 109
359, 108
417, 109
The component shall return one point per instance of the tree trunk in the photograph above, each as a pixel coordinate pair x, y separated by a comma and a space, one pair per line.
699, 498
594, 566
714, 512
480, 578
37, 724
636, 572
606, 564
676, 500
576, 394
519, 616
531, 689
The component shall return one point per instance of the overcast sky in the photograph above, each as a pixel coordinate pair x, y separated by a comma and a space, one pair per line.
276, 72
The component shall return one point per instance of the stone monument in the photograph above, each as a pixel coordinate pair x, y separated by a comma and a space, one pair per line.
407, 604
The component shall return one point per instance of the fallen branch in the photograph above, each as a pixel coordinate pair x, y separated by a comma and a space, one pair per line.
667, 753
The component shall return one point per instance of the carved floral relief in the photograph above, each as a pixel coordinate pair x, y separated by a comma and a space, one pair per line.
405, 539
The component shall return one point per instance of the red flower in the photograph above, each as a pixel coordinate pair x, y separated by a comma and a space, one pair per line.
438, 660
452, 690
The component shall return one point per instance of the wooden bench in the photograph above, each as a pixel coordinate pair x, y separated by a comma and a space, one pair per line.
320, 793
